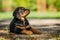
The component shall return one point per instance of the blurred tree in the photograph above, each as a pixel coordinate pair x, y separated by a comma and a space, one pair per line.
6, 4
57, 5
17, 3
50, 4
3, 5
38, 5
31, 4
0, 5
44, 5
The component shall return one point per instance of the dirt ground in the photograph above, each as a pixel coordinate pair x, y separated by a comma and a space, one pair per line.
44, 24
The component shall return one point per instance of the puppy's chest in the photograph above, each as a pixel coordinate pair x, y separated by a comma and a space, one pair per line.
21, 23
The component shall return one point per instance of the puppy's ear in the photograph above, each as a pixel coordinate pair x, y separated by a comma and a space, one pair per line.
16, 13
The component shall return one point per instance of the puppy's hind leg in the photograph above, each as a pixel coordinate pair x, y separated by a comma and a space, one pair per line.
36, 31
27, 32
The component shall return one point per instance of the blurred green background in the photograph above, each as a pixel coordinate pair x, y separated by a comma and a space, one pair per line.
38, 8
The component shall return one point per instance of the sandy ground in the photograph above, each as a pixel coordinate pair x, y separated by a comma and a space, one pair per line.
36, 21
50, 22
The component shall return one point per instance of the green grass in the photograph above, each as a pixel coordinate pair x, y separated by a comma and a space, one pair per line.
44, 15
4, 15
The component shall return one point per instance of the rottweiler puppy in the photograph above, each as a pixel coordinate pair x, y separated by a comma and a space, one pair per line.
20, 24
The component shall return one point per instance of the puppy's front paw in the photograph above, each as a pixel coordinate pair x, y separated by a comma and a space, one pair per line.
24, 31
29, 32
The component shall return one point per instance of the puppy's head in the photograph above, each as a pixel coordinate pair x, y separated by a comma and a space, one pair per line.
26, 12
18, 11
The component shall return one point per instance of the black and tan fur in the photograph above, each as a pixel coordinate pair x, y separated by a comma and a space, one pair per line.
20, 25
